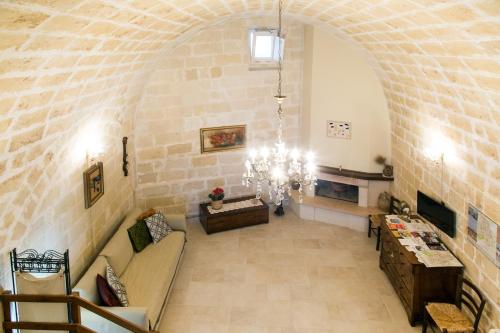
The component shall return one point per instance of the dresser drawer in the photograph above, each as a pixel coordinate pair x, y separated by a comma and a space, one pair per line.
390, 251
405, 271
405, 296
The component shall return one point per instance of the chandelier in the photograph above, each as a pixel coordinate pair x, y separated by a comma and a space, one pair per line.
281, 169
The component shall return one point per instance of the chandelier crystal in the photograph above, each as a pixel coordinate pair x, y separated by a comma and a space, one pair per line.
281, 169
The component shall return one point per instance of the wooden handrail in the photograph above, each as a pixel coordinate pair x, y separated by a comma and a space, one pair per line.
47, 326
75, 302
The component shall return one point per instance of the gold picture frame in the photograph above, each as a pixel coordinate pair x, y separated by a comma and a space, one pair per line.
93, 184
214, 139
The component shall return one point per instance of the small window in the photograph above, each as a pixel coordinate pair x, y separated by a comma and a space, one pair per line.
266, 47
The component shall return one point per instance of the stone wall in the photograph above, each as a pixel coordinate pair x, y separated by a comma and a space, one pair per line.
41, 192
66, 86
206, 82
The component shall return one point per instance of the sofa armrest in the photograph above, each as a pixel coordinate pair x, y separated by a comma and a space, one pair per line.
177, 222
136, 315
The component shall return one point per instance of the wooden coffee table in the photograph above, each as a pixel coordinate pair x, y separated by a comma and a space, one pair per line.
232, 219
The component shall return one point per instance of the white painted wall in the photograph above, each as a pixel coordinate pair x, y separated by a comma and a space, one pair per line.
339, 84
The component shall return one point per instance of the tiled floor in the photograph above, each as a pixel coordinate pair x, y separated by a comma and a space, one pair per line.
291, 276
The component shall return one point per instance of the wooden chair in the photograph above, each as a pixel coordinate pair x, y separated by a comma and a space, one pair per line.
448, 318
395, 206
374, 221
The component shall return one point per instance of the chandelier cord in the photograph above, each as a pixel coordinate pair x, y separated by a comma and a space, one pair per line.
280, 13
279, 95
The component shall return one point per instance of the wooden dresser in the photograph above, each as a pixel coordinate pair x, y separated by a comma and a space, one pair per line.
415, 283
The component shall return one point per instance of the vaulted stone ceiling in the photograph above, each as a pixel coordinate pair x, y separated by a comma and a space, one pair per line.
438, 59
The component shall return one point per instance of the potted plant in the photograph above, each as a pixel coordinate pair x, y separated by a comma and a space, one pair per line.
388, 170
216, 196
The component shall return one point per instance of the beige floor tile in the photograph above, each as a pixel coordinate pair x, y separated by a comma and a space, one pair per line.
307, 315
288, 276
278, 292
243, 316
275, 314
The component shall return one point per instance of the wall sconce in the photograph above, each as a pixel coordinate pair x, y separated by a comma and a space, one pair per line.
93, 155
439, 147
91, 159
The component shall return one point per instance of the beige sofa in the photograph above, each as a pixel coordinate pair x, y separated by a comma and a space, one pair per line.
148, 276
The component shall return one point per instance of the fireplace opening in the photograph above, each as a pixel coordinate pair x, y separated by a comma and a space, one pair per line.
346, 192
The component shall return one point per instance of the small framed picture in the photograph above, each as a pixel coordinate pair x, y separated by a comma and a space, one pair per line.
93, 184
215, 139
338, 129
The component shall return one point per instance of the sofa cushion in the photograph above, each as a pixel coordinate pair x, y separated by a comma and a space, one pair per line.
116, 285
150, 273
99, 324
158, 226
106, 293
139, 236
177, 221
118, 250
87, 286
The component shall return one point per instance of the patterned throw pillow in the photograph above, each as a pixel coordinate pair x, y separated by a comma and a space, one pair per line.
158, 227
117, 286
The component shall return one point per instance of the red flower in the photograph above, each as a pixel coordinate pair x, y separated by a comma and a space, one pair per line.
217, 194
218, 191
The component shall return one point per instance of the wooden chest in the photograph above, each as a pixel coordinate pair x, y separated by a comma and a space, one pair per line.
234, 218
415, 283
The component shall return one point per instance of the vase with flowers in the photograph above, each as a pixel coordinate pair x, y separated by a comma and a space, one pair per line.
217, 195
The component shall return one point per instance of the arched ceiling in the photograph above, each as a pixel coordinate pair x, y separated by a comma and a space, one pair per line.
67, 55
437, 37
438, 62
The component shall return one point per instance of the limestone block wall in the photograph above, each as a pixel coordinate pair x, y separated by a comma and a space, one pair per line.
41, 189
206, 82
59, 99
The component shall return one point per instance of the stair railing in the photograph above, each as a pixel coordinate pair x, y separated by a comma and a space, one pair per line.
75, 323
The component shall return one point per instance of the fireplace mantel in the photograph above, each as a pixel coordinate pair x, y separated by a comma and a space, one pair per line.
354, 174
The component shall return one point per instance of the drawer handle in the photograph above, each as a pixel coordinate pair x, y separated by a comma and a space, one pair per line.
391, 255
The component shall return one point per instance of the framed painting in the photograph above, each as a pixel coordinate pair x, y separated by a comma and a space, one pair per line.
215, 139
93, 184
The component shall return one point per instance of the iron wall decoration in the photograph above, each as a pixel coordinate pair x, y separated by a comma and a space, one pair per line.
222, 138
93, 182
50, 261
125, 156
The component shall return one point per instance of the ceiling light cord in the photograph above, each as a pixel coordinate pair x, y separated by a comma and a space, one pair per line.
279, 96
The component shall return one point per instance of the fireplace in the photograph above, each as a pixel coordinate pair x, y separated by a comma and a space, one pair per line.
334, 190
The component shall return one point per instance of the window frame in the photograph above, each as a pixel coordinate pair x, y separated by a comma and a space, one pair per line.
271, 61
